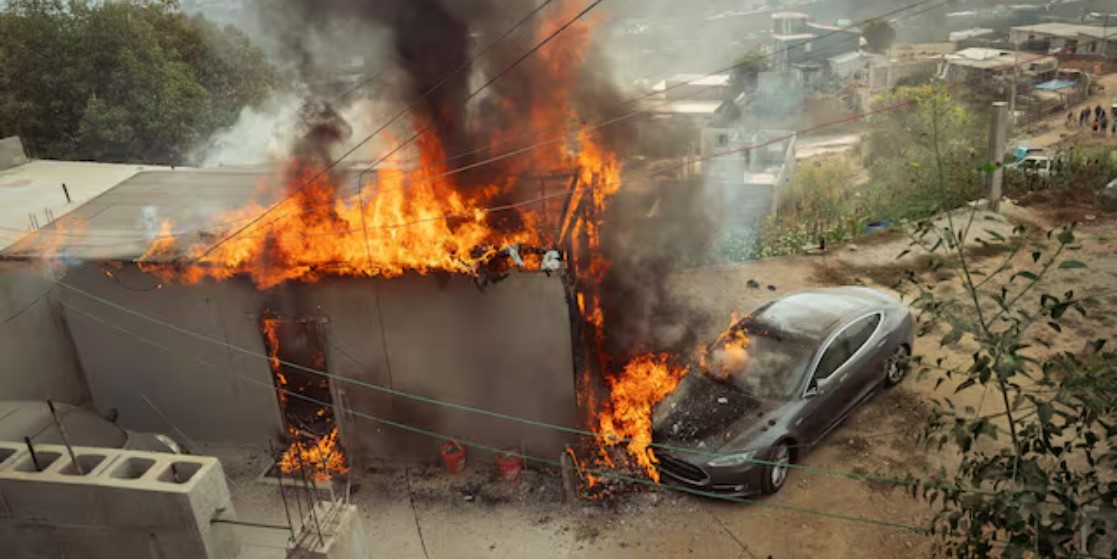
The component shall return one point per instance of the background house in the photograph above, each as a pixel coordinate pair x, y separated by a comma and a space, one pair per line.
798, 41
1066, 38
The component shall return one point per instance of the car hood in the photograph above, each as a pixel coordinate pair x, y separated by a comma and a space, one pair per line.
703, 413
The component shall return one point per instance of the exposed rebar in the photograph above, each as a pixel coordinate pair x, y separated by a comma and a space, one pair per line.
65, 439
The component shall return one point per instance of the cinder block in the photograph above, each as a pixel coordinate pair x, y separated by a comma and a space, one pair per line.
9, 453
136, 504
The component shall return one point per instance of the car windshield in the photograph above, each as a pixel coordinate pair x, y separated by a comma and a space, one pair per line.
775, 364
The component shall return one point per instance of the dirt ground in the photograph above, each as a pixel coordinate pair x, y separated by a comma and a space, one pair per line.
421, 512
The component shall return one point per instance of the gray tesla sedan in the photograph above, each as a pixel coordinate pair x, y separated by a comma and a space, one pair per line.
775, 384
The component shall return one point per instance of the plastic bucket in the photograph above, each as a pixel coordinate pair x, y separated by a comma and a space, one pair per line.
453, 456
510, 465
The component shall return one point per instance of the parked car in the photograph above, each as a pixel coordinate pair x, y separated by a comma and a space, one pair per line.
811, 359
1037, 164
32, 418
1109, 196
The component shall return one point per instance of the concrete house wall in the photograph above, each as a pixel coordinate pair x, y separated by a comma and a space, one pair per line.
39, 361
506, 350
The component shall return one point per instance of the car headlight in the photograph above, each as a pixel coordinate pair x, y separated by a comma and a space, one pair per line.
169, 442
733, 459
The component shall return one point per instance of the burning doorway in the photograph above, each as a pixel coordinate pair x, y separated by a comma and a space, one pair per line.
305, 399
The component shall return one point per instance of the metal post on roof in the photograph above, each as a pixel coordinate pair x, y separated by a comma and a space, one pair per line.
34, 455
66, 191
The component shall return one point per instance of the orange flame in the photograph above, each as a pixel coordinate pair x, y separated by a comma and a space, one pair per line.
414, 219
729, 352
645, 382
323, 458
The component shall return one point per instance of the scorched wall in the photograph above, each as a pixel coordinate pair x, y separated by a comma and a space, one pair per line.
506, 350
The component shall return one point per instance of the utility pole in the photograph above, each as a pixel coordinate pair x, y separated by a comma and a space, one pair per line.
998, 135
1015, 79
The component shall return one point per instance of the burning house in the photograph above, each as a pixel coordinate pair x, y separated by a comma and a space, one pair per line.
339, 343
352, 310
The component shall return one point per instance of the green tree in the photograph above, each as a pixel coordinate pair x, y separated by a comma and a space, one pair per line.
135, 81
879, 35
901, 153
746, 72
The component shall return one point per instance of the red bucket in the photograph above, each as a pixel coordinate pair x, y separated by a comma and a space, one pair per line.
510, 465
453, 456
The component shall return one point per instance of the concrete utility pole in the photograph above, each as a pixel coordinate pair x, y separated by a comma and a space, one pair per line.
998, 135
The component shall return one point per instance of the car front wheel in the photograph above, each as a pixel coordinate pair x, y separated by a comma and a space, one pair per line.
775, 472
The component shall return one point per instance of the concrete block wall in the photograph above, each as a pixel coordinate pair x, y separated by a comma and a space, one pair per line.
126, 505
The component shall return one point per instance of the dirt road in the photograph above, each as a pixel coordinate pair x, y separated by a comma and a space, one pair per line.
1053, 132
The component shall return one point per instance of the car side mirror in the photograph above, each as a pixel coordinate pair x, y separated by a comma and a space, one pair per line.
812, 390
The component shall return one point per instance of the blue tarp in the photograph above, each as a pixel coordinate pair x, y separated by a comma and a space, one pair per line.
1055, 85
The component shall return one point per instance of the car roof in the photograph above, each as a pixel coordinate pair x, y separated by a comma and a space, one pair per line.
815, 313
31, 418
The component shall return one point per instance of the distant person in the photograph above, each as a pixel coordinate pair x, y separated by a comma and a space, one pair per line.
1096, 123
1070, 119
1099, 111
1115, 127
1084, 118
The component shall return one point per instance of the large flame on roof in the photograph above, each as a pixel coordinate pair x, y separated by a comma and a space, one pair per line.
407, 218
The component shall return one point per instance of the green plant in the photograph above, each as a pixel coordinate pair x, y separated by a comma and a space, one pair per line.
1029, 476
902, 160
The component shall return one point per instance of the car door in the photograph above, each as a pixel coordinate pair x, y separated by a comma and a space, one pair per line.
840, 380
820, 411
863, 370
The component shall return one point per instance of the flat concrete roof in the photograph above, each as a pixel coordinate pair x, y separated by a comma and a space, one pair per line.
680, 107
121, 222
36, 188
984, 58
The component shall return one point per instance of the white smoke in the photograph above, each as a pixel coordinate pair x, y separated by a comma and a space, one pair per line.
267, 134
261, 134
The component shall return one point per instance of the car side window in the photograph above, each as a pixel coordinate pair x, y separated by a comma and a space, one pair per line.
832, 358
845, 344
859, 332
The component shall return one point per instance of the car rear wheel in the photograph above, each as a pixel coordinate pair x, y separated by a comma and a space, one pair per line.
896, 367
775, 472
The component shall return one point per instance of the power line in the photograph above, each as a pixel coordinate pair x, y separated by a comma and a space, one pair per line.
506, 207
473, 444
28, 307
651, 173
532, 201
481, 411
519, 151
501, 74
614, 120
599, 473
405, 110
602, 474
